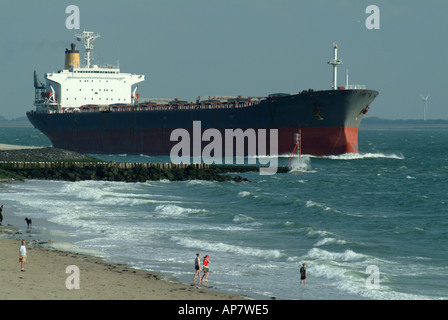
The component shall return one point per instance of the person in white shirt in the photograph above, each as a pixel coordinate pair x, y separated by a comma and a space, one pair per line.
22, 255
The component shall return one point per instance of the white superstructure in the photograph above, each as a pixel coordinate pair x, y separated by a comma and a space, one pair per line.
76, 86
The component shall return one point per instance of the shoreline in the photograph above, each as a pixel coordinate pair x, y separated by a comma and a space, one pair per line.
45, 276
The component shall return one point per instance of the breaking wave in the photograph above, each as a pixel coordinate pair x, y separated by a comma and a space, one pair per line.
362, 156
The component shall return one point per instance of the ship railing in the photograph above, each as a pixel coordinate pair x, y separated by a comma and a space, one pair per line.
355, 86
165, 107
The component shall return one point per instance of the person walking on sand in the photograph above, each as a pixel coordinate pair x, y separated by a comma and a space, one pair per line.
197, 267
22, 255
303, 274
206, 269
1, 215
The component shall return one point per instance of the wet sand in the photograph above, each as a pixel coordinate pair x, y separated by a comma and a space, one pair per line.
45, 277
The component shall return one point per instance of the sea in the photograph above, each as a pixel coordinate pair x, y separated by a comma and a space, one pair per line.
372, 225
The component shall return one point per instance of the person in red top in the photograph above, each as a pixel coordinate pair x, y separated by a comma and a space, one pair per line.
206, 270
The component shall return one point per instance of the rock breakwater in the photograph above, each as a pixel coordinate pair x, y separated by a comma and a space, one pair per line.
128, 172
58, 164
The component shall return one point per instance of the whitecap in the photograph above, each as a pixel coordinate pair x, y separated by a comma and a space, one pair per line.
212, 247
242, 218
311, 203
346, 256
361, 156
243, 194
171, 210
328, 241
302, 164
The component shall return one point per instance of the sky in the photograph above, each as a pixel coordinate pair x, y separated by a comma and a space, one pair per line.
191, 48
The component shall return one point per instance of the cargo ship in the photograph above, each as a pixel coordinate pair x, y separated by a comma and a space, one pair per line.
96, 110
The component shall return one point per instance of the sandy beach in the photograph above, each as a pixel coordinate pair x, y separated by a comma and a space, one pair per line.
45, 274
45, 277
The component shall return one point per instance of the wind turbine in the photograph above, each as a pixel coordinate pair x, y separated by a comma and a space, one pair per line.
425, 106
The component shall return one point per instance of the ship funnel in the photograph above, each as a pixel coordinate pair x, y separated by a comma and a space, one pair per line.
72, 58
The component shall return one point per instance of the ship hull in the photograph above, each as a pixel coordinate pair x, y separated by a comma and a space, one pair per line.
328, 120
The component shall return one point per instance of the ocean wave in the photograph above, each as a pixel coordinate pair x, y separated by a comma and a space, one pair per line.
349, 156
310, 204
170, 210
214, 247
67, 246
290, 224
243, 194
362, 156
300, 165
317, 233
354, 280
114, 193
245, 220
346, 256
328, 241
200, 182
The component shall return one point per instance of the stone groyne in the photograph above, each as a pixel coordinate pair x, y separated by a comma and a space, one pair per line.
58, 164
45, 154
128, 172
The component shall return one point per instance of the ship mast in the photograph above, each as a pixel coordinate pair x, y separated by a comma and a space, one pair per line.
88, 38
335, 62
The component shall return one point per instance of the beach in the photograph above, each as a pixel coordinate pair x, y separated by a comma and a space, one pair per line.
45, 273
45, 277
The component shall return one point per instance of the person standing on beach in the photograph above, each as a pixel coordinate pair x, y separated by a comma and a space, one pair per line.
206, 270
22, 255
303, 274
1, 215
197, 267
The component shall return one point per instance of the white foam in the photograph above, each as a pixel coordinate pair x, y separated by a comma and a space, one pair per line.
213, 247
175, 211
246, 221
302, 164
328, 241
70, 247
200, 182
320, 233
114, 193
311, 203
243, 194
353, 281
361, 156
242, 218
346, 256
290, 224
